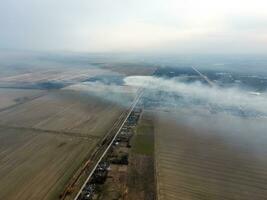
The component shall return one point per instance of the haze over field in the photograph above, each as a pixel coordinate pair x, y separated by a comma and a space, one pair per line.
226, 97
133, 99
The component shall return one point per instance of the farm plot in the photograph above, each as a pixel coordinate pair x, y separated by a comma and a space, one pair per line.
141, 180
50, 78
11, 97
130, 69
37, 165
45, 141
194, 165
67, 112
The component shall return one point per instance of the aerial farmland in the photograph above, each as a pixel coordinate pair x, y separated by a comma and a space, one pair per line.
48, 133
133, 100
205, 164
130, 130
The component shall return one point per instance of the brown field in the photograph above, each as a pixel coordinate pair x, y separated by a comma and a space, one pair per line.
45, 140
65, 112
192, 164
130, 69
35, 165
46, 136
11, 97
61, 75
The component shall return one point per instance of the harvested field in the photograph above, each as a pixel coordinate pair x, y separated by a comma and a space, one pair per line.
130, 69
11, 97
64, 112
196, 165
61, 75
46, 140
37, 165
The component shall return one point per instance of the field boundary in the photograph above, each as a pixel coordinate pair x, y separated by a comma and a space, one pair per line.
41, 131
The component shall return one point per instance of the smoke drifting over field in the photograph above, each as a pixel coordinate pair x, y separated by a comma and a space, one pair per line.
197, 93
121, 95
233, 114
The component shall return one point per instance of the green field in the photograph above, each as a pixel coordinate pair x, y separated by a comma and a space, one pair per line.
143, 141
141, 180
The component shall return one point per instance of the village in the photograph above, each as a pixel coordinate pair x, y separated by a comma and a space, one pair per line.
111, 172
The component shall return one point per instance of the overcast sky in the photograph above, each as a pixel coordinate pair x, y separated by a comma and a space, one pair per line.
183, 26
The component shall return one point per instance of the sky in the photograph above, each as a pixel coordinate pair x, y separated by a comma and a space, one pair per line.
164, 26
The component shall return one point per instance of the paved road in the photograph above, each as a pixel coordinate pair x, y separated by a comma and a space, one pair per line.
204, 77
108, 147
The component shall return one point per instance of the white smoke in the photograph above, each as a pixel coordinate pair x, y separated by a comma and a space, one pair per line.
222, 97
119, 94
